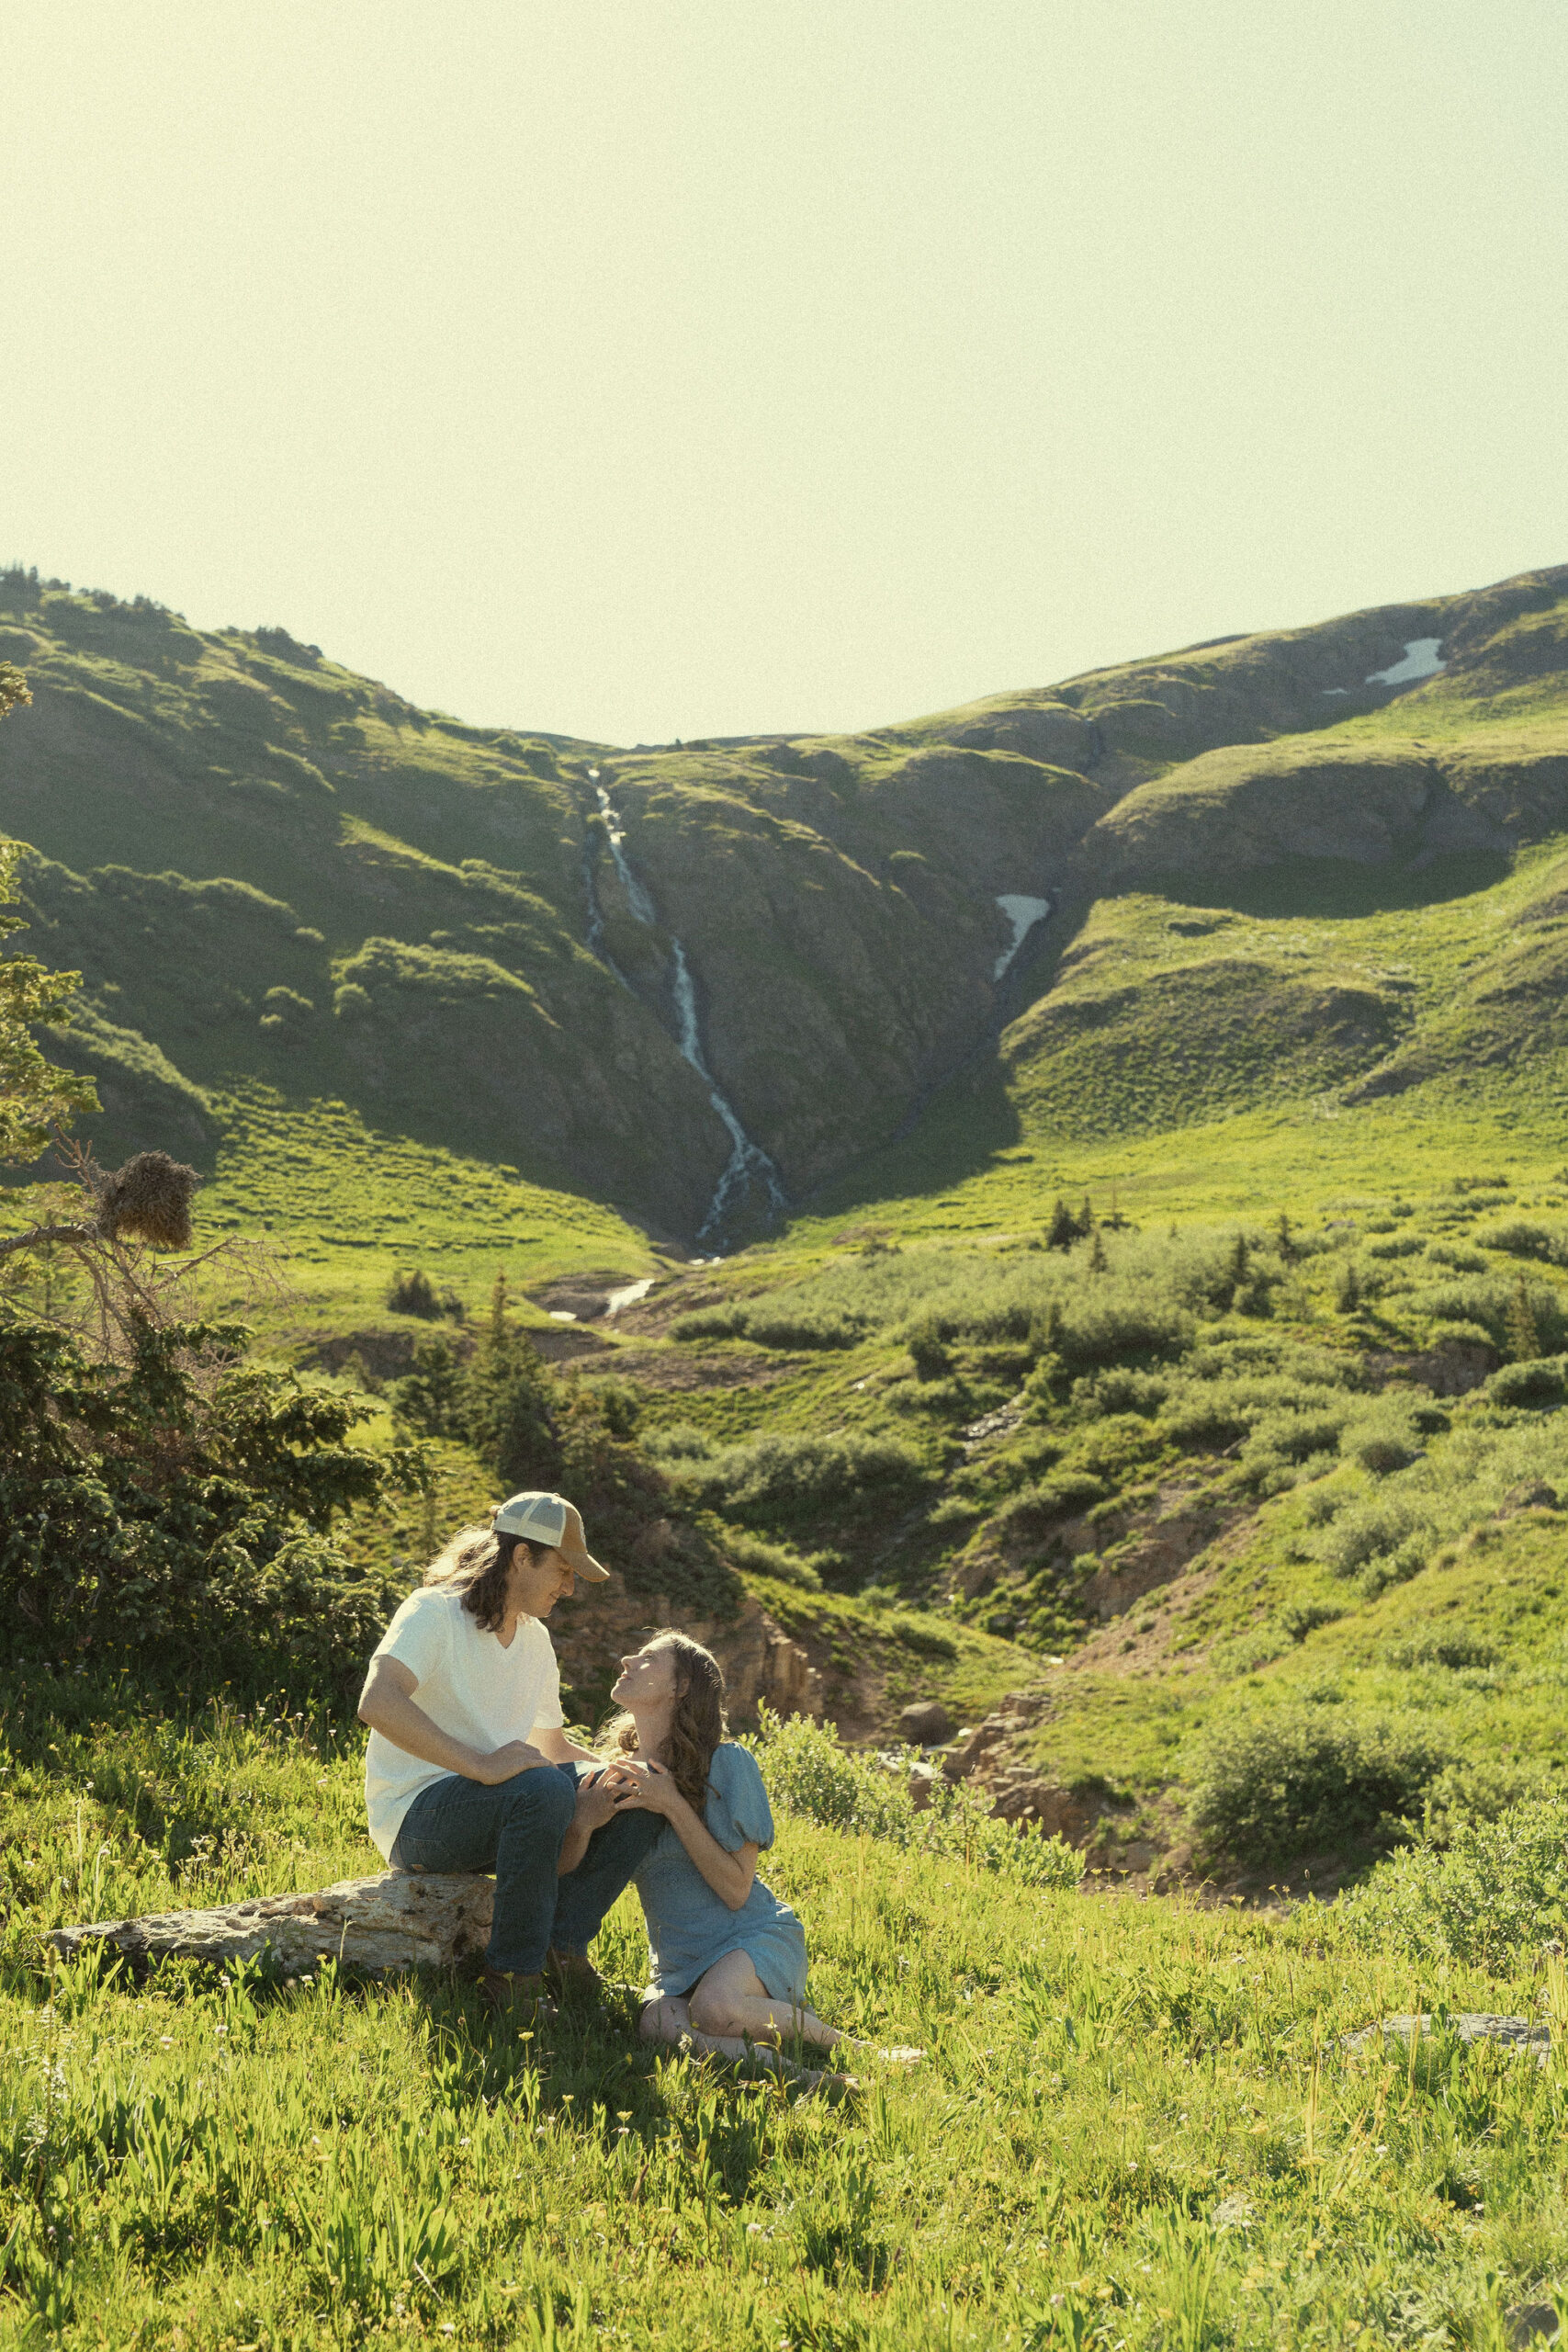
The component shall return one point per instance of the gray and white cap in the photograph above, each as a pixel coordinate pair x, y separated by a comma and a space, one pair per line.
550, 1518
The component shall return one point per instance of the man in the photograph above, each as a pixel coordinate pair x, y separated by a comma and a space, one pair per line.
469, 1767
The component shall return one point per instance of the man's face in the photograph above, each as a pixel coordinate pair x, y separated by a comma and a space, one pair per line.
536, 1586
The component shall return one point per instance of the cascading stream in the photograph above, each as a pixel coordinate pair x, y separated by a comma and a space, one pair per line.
748, 1163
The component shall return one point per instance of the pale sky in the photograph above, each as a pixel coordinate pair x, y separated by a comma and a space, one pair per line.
642, 368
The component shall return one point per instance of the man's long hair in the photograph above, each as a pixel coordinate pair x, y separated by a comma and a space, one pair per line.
697, 1725
477, 1565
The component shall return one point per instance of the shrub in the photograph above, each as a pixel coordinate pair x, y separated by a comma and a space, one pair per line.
1522, 1239
795, 1475
1299, 1618
176, 1510
782, 1562
1499, 1890
1437, 1648
1540, 1380
1366, 1531
809, 1773
415, 1293
1305, 1778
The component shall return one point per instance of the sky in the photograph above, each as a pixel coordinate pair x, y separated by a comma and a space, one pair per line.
656, 368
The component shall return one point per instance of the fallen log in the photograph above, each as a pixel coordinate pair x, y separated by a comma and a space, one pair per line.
399, 1921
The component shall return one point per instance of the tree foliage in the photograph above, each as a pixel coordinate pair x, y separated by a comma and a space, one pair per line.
175, 1511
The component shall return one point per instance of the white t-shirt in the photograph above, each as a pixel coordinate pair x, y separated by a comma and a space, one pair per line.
469, 1686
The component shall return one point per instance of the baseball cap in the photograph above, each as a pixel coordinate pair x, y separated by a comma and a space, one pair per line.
550, 1518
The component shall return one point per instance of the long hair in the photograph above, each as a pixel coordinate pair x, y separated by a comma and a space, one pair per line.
697, 1725
477, 1565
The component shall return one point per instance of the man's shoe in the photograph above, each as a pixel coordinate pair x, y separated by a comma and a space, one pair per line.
520, 1999
573, 1979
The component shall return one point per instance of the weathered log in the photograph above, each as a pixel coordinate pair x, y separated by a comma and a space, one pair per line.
396, 1921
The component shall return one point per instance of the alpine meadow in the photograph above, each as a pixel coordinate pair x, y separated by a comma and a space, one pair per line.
1040, 1235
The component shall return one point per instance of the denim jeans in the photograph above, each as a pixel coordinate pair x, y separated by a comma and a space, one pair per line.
515, 1829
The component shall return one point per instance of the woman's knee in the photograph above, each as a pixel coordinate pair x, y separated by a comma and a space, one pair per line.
664, 2020
712, 2011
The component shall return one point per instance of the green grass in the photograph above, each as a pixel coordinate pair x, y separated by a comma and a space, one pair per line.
1135, 2126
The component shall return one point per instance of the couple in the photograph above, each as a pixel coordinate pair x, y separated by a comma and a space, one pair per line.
469, 1768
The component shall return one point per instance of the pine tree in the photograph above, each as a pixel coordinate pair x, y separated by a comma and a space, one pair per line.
1085, 1219
1285, 1240
509, 1400
1240, 1263
1062, 1231
1523, 1332
1347, 1293
1097, 1260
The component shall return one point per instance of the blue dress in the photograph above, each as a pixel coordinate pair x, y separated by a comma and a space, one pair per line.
690, 1927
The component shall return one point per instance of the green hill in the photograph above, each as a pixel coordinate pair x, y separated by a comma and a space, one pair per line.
1271, 928
283, 880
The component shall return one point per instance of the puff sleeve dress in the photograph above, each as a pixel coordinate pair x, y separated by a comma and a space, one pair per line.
690, 1927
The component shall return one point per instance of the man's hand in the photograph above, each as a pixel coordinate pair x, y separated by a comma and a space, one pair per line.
504, 1763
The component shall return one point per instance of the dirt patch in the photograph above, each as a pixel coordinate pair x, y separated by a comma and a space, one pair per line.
1453, 1369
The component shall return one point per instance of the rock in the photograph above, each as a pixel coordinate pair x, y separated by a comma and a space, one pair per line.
1530, 2324
926, 1723
1060, 1812
922, 1784
1520, 2034
1533, 1495
399, 1919
1140, 1855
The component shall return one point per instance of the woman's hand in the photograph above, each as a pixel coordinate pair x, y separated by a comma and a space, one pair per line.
647, 1788
596, 1804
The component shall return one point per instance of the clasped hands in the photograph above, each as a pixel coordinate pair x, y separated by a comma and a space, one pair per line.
625, 1786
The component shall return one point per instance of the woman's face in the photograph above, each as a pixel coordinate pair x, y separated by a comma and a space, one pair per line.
646, 1676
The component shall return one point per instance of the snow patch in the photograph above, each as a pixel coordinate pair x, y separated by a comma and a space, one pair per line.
1420, 661
1023, 914
628, 1295
1336, 690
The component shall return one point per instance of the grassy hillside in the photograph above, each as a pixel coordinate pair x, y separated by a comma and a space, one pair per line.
1138, 2125
276, 874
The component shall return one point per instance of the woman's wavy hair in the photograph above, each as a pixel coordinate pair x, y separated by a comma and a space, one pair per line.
697, 1725
476, 1564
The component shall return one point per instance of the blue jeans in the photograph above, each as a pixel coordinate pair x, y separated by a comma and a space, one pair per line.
516, 1828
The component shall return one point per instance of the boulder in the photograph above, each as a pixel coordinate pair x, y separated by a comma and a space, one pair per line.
926, 1723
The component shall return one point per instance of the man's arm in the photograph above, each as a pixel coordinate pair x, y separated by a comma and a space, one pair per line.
387, 1703
560, 1749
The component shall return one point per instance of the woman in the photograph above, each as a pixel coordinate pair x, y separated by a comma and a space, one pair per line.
729, 1959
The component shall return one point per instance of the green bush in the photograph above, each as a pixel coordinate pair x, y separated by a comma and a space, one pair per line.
807, 1773
1497, 1890
1523, 1238
1307, 1779
1541, 1380
176, 1513
793, 1476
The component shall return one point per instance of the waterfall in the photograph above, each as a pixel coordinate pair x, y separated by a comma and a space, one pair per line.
637, 899
748, 1163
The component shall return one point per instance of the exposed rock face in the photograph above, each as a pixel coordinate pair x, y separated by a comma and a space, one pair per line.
926, 1724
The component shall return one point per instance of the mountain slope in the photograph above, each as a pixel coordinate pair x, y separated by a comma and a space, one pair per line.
701, 982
